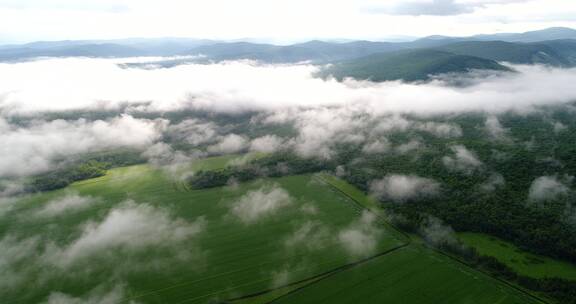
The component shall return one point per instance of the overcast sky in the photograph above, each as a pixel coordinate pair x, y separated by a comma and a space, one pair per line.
278, 20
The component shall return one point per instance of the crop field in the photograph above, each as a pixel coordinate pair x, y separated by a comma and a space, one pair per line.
202, 246
411, 274
523, 262
300, 237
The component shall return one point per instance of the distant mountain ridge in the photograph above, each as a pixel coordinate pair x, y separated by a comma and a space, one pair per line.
378, 61
313, 51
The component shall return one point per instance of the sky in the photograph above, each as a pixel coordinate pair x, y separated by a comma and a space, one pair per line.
273, 20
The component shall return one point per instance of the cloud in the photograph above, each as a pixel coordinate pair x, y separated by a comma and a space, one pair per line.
495, 129
193, 131
397, 123
70, 202
401, 188
231, 143
377, 146
443, 130
242, 86
99, 295
547, 188
262, 203
161, 154
494, 182
428, 7
7, 204
14, 253
280, 278
320, 128
9, 188
412, 145
34, 148
437, 234
266, 143
463, 160
434, 7
311, 235
128, 227
360, 238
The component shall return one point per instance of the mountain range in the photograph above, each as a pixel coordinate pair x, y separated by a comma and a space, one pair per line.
386, 60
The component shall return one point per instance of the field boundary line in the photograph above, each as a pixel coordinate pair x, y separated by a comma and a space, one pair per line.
322, 276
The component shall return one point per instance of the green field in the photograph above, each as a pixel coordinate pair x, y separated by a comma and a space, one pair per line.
520, 261
140, 231
228, 259
412, 274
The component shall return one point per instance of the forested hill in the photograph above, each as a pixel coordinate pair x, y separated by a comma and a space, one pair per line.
409, 65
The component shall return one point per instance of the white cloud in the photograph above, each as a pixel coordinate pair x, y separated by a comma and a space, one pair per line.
99, 295
397, 123
129, 227
14, 252
495, 181
311, 235
193, 132
463, 160
266, 143
236, 86
437, 234
443, 130
320, 128
71, 202
495, 129
546, 188
33, 149
231, 143
162, 155
412, 145
360, 238
401, 188
377, 146
9, 188
68, 19
430, 7
262, 203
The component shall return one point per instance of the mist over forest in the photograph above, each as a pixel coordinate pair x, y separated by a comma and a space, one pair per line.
438, 169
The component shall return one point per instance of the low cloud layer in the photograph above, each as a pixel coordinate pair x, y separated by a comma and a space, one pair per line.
438, 234
235, 86
428, 7
71, 202
463, 160
360, 238
99, 295
546, 188
128, 227
311, 235
400, 188
258, 204
33, 149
